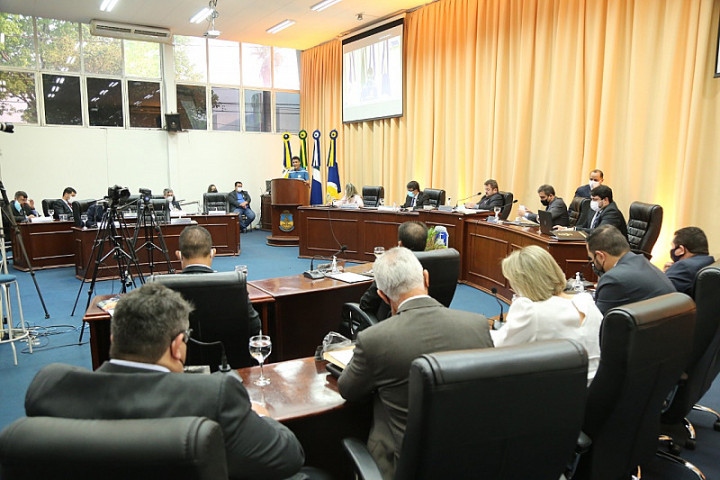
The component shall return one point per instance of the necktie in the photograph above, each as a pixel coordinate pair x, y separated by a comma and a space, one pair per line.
593, 224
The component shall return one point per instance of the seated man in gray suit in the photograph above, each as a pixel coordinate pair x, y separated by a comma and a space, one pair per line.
555, 205
383, 353
689, 255
144, 379
625, 277
196, 256
603, 211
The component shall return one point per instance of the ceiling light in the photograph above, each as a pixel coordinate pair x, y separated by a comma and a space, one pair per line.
108, 5
319, 7
280, 26
201, 15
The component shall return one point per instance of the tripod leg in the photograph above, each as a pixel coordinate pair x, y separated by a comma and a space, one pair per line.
20, 242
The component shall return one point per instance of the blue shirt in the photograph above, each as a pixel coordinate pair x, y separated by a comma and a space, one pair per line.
302, 174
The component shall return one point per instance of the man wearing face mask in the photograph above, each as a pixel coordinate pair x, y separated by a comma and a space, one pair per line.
63, 206
169, 196
625, 277
22, 208
239, 201
415, 198
596, 179
604, 211
689, 255
555, 205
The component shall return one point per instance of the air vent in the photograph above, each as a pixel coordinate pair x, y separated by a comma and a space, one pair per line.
130, 32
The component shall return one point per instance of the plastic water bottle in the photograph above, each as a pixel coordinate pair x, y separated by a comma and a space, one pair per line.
578, 286
441, 234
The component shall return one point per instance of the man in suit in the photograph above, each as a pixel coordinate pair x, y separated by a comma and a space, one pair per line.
383, 353
23, 209
491, 199
144, 379
689, 255
196, 255
63, 206
555, 205
169, 197
415, 198
596, 179
239, 201
603, 211
625, 277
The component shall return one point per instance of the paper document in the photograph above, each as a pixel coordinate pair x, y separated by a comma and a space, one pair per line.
347, 277
340, 357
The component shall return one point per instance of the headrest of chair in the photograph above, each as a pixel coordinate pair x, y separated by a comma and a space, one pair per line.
645, 212
214, 197
437, 256
204, 280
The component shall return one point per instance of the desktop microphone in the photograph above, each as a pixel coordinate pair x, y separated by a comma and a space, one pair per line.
224, 367
467, 198
498, 324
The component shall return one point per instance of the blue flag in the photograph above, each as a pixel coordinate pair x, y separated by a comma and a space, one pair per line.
333, 180
316, 196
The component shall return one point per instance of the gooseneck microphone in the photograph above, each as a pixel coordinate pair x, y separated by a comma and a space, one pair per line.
498, 324
468, 198
224, 366
316, 274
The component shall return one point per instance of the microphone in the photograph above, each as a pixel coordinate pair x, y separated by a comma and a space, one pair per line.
224, 366
467, 198
317, 274
183, 202
498, 324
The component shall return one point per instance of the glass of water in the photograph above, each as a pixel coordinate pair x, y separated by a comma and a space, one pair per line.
51, 212
497, 213
84, 219
378, 251
260, 347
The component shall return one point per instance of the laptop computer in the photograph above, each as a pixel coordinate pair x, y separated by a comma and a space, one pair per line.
545, 219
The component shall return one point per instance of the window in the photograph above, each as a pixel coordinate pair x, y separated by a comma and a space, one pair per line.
144, 104
59, 43
226, 109
286, 69
224, 62
142, 59
17, 41
287, 112
101, 55
104, 102
192, 107
18, 103
190, 59
62, 99
256, 66
257, 111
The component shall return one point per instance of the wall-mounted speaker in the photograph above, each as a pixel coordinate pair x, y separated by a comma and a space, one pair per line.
172, 122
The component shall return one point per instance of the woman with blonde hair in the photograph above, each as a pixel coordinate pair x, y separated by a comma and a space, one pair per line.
541, 310
351, 196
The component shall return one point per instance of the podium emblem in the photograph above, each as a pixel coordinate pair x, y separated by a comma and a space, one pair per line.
286, 221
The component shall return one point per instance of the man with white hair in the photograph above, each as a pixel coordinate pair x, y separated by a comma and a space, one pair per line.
384, 352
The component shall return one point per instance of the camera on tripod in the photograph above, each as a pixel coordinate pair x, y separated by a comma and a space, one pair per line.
145, 195
117, 193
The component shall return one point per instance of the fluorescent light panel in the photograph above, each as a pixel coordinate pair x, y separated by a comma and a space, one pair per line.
319, 7
280, 26
108, 5
201, 16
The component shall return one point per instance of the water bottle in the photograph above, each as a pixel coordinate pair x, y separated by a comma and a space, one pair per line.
578, 286
441, 235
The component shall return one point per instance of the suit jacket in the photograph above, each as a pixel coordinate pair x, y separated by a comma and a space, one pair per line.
488, 203
381, 364
682, 273
609, 215
22, 214
255, 447
233, 200
558, 210
633, 278
583, 191
61, 207
253, 317
422, 200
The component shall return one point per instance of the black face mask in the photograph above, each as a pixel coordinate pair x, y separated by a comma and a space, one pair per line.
599, 271
545, 202
674, 257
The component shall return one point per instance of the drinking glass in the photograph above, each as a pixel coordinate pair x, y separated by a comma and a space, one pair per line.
51, 212
497, 213
260, 347
378, 251
83, 219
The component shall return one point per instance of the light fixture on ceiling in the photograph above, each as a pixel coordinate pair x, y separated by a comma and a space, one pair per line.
319, 7
280, 26
108, 5
201, 15
211, 32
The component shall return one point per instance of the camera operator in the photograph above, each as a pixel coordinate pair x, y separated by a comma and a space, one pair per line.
23, 209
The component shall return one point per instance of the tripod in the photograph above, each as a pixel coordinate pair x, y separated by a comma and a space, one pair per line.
112, 231
148, 223
8, 215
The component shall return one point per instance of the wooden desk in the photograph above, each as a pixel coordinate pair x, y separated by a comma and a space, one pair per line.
48, 245
487, 244
224, 230
304, 397
306, 310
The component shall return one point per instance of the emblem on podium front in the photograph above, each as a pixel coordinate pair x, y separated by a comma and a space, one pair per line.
286, 221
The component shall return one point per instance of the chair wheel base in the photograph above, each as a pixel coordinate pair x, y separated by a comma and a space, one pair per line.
690, 444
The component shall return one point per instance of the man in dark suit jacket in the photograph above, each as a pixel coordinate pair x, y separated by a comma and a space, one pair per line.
415, 198
603, 211
689, 255
625, 277
239, 201
63, 206
596, 179
555, 205
383, 353
196, 256
144, 379
22, 209
492, 198
169, 196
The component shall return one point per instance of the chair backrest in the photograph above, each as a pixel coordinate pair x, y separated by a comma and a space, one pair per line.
436, 197
578, 210
644, 223
163, 448
704, 363
160, 208
507, 205
46, 204
443, 266
372, 195
510, 412
215, 200
644, 349
80, 207
220, 314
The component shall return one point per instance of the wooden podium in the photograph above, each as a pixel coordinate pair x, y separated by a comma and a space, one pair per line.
286, 195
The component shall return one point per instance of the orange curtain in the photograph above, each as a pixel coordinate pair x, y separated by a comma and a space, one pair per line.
540, 91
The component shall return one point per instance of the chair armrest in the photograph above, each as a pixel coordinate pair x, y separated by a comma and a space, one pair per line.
582, 446
354, 320
365, 465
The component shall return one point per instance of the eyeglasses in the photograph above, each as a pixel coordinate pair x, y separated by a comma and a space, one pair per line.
187, 335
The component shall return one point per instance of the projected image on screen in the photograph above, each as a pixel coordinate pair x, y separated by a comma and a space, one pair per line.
373, 74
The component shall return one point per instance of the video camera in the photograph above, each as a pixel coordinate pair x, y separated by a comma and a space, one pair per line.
145, 195
7, 127
117, 193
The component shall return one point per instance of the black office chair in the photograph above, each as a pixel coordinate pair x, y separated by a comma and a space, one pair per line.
435, 197
507, 205
50, 448
159, 208
47, 204
373, 195
643, 227
220, 314
443, 267
644, 348
579, 208
80, 207
215, 200
510, 412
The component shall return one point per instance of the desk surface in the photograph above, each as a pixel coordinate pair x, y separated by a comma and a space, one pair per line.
298, 284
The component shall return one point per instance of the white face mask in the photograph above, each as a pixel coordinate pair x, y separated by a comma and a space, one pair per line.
239, 189
593, 184
170, 198
595, 206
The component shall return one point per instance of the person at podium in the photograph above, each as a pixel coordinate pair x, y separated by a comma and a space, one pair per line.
298, 171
